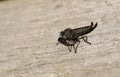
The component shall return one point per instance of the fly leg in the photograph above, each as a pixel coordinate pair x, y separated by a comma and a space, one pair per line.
75, 48
69, 48
85, 38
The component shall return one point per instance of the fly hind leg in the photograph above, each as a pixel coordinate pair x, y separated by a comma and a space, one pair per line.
85, 38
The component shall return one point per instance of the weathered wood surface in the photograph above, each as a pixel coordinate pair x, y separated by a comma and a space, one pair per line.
29, 30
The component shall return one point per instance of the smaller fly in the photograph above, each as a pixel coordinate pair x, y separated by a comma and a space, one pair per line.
71, 37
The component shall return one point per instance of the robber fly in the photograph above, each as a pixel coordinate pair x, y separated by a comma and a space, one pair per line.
70, 37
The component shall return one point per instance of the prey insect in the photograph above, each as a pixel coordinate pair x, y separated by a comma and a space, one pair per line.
71, 37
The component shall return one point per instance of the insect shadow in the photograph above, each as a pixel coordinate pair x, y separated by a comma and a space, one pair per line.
71, 37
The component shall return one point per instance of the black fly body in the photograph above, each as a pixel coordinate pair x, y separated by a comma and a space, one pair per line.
70, 37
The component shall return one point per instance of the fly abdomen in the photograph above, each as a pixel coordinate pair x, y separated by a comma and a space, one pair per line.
83, 30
